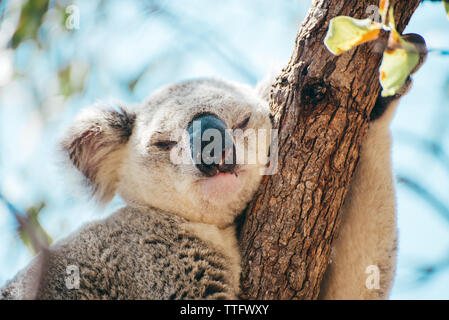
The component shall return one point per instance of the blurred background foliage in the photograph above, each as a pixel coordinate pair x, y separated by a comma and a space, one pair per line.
57, 57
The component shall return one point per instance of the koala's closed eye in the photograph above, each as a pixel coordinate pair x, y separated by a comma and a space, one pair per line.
243, 124
165, 145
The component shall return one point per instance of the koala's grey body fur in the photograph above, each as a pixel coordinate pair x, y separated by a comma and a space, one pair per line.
176, 238
133, 254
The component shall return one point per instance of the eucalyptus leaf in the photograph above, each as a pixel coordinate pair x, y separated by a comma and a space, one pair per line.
391, 21
31, 18
30, 230
397, 63
383, 9
345, 33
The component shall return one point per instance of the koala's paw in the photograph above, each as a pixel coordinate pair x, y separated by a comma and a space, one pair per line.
382, 103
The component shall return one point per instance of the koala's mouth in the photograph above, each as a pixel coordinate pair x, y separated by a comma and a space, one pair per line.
220, 169
222, 186
222, 174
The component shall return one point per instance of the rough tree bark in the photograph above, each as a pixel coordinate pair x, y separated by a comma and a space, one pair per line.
321, 105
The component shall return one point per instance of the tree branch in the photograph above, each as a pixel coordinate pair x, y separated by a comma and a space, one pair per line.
321, 104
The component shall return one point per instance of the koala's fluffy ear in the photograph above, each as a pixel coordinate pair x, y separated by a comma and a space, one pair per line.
95, 145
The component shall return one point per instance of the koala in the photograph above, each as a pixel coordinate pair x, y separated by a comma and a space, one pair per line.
176, 236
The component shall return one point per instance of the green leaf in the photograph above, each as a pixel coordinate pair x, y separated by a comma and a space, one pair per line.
397, 63
383, 9
72, 78
345, 33
31, 18
391, 21
446, 6
30, 230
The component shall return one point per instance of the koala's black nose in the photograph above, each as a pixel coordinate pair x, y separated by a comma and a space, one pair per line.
212, 147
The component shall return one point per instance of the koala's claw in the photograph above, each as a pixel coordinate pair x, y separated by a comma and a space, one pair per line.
405, 88
421, 47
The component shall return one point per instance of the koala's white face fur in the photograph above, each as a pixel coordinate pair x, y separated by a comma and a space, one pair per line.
130, 152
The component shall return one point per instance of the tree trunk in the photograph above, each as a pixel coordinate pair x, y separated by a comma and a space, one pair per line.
321, 105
